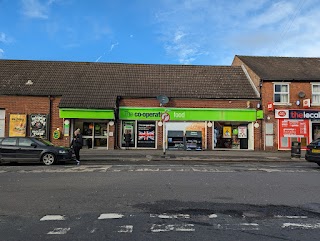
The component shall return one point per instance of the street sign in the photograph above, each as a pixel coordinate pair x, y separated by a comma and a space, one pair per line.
165, 117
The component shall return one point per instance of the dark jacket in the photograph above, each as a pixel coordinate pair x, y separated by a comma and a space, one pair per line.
77, 141
127, 137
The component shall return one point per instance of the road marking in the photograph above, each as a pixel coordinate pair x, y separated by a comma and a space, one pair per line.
301, 225
290, 217
110, 216
157, 228
126, 229
59, 231
240, 226
166, 216
213, 216
53, 218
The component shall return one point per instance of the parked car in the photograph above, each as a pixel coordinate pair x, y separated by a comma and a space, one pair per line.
31, 149
313, 152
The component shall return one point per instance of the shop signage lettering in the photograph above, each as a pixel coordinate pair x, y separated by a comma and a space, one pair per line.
301, 114
179, 114
143, 114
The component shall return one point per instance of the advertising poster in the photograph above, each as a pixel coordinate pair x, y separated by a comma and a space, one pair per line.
290, 129
227, 132
242, 132
146, 134
38, 125
17, 125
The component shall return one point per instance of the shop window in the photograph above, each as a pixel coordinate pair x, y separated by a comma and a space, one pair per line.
128, 127
281, 93
284, 142
146, 134
315, 94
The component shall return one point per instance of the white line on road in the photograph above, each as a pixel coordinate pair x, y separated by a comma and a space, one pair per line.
59, 231
213, 216
290, 217
53, 218
110, 216
301, 225
126, 229
156, 228
166, 216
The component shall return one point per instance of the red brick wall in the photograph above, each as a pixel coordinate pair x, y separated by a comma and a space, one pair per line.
32, 105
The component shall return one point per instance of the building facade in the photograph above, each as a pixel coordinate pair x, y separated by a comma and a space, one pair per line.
205, 108
290, 98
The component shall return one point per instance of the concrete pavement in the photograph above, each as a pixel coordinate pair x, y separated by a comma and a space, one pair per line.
174, 155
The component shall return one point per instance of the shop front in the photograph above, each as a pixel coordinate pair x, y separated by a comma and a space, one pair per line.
188, 128
96, 126
297, 125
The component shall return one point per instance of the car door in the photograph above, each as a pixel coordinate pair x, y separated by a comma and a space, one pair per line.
8, 149
28, 150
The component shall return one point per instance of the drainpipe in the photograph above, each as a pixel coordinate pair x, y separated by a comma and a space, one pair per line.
50, 113
116, 119
262, 123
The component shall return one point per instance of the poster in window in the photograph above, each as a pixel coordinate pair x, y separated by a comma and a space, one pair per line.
242, 132
128, 127
146, 134
38, 125
227, 132
17, 126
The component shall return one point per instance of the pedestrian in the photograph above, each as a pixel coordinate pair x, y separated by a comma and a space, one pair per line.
77, 144
127, 139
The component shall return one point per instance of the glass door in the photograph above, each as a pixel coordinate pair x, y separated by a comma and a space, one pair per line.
100, 134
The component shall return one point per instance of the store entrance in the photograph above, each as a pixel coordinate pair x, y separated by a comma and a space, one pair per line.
94, 134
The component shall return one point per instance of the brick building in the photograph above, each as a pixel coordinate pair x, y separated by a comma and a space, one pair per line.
162, 106
290, 98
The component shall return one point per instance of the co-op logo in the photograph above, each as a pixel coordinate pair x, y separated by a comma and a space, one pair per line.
143, 114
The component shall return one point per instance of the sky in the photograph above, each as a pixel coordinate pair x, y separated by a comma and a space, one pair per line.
195, 32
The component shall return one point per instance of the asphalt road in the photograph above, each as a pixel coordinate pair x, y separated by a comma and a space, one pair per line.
172, 201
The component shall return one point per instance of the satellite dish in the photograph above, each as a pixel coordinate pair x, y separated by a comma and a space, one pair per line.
162, 99
301, 94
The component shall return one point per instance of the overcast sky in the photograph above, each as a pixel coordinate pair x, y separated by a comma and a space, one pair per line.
199, 32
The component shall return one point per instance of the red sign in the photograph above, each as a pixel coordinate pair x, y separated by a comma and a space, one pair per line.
306, 103
165, 117
270, 106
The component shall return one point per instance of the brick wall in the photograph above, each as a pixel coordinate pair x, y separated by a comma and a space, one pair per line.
34, 105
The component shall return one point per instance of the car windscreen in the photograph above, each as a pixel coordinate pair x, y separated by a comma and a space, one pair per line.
43, 142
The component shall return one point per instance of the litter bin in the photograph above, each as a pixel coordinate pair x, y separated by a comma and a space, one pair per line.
296, 149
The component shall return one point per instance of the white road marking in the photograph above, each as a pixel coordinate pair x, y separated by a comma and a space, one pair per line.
53, 218
301, 225
110, 216
166, 216
126, 229
290, 217
93, 230
147, 170
59, 231
240, 226
213, 216
156, 228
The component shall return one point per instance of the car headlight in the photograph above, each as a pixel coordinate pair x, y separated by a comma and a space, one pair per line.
62, 152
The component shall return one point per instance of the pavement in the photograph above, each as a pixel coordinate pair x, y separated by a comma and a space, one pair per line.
119, 155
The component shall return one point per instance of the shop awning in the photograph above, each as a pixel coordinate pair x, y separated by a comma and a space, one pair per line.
86, 113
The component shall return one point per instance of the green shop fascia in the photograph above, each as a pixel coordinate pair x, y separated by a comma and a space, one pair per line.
190, 114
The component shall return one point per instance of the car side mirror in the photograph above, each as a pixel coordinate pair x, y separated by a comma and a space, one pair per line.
34, 145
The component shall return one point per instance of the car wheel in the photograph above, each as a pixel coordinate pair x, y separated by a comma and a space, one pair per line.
48, 159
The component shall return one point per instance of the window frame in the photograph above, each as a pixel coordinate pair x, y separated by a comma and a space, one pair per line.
312, 94
274, 93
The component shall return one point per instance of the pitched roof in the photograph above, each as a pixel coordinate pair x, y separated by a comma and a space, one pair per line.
96, 85
284, 68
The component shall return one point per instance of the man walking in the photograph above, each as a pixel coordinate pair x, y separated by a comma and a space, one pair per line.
77, 144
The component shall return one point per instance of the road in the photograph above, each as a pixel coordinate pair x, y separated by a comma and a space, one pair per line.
160, 201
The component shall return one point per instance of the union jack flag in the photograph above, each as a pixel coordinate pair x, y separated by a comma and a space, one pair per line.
146, 135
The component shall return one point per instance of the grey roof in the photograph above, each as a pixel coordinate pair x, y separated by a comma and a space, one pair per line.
284, 68
97, 85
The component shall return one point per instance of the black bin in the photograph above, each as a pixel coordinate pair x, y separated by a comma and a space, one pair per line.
296, 149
